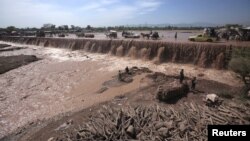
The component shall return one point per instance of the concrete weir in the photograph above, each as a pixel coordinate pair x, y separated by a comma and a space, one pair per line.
205, 55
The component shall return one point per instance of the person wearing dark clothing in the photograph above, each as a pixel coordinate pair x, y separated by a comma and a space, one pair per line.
193, 83
212, 32
227, 37
120, 76
175, 36
151, 32
181, 76
127, 70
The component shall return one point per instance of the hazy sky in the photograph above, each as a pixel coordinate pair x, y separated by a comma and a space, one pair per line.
34, 13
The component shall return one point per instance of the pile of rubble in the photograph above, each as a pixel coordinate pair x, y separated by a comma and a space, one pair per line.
156, 123
235, 33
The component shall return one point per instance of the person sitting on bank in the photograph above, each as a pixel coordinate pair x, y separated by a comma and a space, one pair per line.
182, 76
120, 76
127, 70
193, 83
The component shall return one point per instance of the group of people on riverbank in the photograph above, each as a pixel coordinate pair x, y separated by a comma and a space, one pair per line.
181, 77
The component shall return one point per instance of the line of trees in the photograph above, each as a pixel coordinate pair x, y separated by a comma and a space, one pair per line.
51, 27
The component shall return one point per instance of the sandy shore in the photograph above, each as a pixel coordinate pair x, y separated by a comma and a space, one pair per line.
65, 80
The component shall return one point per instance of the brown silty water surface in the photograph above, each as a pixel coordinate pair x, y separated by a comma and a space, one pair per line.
65, 80
207, 55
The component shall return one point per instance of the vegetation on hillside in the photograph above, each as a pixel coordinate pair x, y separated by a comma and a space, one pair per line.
240, 64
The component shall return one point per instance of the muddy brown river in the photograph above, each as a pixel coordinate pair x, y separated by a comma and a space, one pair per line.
65, 80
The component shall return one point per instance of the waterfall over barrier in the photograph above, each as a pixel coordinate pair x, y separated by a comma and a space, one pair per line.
200, 54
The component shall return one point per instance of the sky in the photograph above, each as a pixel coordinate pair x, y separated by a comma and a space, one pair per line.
35, 13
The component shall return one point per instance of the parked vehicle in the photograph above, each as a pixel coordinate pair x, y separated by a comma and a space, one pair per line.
86, 35
111, 34
155, 35
80, 34
126, 34
89, 35
202, 38
61, 35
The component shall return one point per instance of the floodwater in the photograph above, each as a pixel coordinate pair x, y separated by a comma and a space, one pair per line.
65, 80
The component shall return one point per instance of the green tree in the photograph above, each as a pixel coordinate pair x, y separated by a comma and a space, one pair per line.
240, 63
88, 27
241, 66
9, 29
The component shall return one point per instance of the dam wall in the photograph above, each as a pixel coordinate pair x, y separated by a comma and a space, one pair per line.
206, 55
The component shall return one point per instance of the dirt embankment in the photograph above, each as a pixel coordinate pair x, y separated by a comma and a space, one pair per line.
11, 62
200, 54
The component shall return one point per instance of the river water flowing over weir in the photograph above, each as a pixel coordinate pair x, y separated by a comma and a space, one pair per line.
69, 72
203, 55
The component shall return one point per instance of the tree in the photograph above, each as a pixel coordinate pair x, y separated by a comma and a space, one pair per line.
49, 26
241, 66
60, 28
88, 27
53, 26
66, 27
9, 29
63, 27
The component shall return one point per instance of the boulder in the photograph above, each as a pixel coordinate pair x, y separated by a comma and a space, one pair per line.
127, 79
131, 131
171, 91
248, 94
51, 139
212, 97
213, 100
163, 131
102, 90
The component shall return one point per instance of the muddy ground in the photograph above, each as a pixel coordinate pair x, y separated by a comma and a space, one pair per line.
64, 127
68, 86
4, 45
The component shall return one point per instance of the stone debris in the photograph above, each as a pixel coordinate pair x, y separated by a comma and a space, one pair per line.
212, 97
103, 89
156, 123
212, 100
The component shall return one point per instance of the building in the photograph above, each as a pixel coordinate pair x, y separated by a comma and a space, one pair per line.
49, 26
